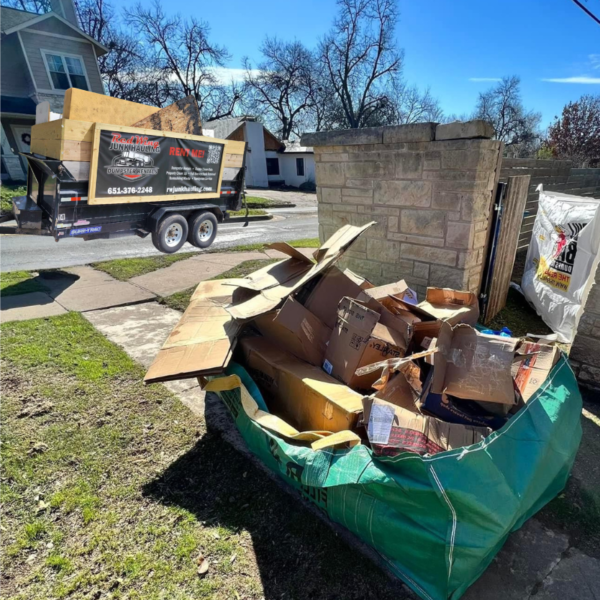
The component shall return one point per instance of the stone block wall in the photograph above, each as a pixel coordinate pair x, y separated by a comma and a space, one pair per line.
428, 186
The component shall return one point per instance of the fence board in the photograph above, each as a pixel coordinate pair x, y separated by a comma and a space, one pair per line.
508, 241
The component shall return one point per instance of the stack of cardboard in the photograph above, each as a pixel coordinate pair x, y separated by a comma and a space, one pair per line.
332, 353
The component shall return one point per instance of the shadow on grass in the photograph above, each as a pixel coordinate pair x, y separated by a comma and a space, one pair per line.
51, 283
298, 555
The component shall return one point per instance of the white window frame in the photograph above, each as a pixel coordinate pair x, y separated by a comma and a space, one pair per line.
303, 166
64, 55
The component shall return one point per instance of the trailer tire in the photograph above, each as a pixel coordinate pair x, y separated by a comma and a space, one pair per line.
170, 234
203, 229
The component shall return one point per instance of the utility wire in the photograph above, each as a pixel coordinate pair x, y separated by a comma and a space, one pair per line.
590, 13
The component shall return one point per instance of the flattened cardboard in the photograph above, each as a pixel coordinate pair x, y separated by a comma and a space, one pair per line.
333, 285
202, 342
303, 395
451, 306
270, 291
474, 366
297, 330
532, 366
359, 339
414, 432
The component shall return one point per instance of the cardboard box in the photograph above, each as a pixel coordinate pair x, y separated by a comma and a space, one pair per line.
392, 430
451, 306
297, 330
302, 394
535, 361
203, 340
266, 289
331, 287
473, 365
359, 339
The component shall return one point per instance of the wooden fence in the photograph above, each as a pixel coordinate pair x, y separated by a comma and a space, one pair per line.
557, 176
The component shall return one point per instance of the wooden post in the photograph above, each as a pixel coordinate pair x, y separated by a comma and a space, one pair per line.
510, 226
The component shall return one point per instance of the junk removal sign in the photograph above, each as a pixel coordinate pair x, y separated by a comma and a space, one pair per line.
130, 164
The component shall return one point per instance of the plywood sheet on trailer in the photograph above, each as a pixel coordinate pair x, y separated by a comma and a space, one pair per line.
87, 106
62, 149
182, 116
66, 129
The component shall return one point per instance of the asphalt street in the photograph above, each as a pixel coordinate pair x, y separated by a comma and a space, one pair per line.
30, 253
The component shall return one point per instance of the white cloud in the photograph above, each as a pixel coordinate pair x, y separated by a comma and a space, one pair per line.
484, 79
580, 79
226, 75
595, 61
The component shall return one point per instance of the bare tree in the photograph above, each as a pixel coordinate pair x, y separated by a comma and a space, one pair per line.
576, 133
407, 104
360, 58
281, 88
184, 59
124, 71
40, 7
513, 124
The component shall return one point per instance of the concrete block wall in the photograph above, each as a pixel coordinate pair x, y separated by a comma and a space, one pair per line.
428, 186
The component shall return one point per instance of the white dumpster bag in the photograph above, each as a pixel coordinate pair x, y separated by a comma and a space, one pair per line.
562, 259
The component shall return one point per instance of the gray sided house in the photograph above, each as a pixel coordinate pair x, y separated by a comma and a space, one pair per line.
269, 161
42, 56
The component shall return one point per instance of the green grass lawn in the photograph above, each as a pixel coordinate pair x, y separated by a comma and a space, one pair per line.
111, 489
256, 202
6, 194
19, 282
252, 212
126, 268
180, 300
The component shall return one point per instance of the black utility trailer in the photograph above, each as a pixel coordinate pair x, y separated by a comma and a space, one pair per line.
57, 205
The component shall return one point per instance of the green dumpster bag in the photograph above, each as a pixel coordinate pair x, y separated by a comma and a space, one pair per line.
437, 521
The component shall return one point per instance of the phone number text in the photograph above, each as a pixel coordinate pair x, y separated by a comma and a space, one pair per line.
129, 190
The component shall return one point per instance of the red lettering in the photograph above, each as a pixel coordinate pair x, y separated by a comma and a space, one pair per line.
171, 151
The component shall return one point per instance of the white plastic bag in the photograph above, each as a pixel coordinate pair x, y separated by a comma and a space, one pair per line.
562, 259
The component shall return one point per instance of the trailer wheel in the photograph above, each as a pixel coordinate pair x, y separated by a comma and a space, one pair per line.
203, 229
171, 234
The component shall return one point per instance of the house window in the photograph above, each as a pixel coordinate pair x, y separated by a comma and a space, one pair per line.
272, 166
300, 167
66, 72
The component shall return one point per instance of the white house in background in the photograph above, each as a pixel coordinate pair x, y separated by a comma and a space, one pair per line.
269, 162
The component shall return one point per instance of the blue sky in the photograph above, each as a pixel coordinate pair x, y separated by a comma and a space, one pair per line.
447, 43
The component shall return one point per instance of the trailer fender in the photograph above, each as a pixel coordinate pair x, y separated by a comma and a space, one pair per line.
155, 218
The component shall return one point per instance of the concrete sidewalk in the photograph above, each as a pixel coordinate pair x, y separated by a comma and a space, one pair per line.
85, 289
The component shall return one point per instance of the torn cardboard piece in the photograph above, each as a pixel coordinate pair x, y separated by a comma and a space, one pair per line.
295, 329
278, 281
202, 342
359, 339
330, 288
532, 366
302, 394
473, 365
392, 430
451, 306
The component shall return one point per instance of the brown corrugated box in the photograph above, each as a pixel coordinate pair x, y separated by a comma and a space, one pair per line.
203, 340
330, 288
359, 339
534, 363
295, 329
303, 395
473, 365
